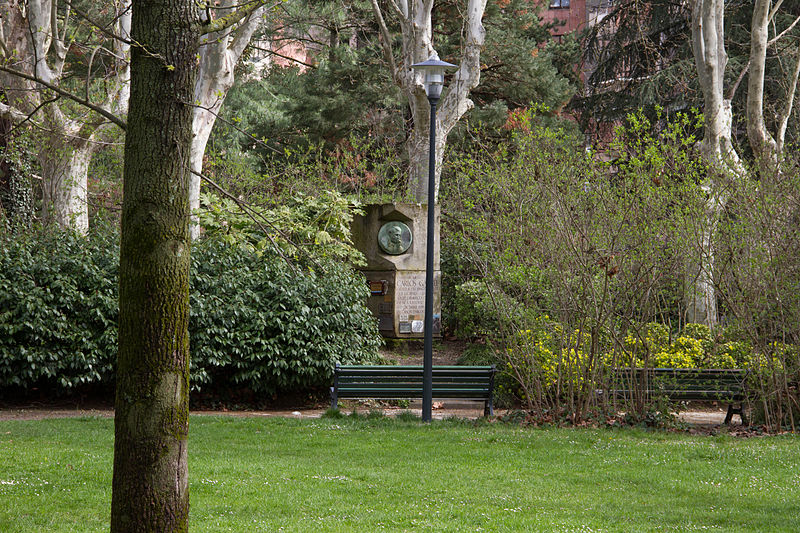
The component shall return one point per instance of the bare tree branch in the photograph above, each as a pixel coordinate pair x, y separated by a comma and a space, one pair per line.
105, 113
293, 59
738, 81
255, 216
783, 121
784, 32
98, 26
386, 39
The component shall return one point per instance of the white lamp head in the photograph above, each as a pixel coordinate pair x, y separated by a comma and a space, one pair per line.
434, 70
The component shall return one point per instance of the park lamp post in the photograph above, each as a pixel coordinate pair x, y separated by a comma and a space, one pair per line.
434, 70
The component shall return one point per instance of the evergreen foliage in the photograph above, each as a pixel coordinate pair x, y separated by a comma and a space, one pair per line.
257, 322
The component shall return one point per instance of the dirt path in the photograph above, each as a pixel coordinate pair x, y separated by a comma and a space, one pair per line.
701, 418
445, 353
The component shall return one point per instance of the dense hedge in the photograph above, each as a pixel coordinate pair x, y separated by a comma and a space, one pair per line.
58, 310
256, 322
273, 326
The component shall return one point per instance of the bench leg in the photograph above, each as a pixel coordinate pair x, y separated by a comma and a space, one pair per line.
334, 399
488, 408
735, 411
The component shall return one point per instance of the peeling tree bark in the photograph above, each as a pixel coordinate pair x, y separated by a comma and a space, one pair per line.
219, 53
414, 17
766, 146
35, 41
711, 59
150, 481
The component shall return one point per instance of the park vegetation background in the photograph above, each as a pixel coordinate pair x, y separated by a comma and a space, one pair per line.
576, 219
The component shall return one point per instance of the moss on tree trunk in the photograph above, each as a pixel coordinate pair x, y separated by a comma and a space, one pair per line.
150, 483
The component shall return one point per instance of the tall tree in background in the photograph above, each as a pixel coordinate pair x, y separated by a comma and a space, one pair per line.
637, 56
150, 482
768, 146
416, 34
219, 53
711, 60
36, 39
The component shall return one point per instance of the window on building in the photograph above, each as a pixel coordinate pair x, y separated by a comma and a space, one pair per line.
559, 3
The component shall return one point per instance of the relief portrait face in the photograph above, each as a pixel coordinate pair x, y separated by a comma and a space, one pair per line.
394, 238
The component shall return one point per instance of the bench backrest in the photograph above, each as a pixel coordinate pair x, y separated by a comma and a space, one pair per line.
680, 383
405, 381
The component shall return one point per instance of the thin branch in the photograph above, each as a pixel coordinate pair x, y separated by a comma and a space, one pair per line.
29, 116
386, 39
254, 216
105, 113
784, 32
274, 53
66, 22
738, 81
784, 120
775, 9
234, 126
397, 11
89, 71
227, 21
97, 25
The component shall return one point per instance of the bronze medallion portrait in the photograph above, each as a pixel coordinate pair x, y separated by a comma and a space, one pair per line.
394, 238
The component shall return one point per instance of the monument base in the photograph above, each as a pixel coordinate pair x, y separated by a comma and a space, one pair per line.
398, 300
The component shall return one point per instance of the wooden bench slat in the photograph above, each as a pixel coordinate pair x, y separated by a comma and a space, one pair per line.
682, 384
406, 381
388, 393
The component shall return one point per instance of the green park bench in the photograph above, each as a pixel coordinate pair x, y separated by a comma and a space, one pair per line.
405, 381
683, 384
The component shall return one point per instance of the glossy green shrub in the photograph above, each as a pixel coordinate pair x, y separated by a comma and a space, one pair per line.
58, 309
271, 326
256, 320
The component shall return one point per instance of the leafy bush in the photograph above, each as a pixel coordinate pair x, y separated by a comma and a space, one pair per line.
484, 311
269, 326
305, 228
598, 247
58, 309
256, 320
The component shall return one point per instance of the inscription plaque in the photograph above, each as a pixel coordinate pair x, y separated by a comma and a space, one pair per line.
409, 295
409, 307
400, 312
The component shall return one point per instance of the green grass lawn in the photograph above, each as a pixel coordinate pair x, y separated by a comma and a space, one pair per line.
269, 474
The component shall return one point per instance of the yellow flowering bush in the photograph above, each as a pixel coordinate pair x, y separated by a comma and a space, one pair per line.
684, 352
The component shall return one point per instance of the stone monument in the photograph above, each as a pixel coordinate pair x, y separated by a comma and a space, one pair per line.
393, 237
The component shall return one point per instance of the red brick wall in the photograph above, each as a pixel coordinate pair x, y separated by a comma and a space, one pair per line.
573, 17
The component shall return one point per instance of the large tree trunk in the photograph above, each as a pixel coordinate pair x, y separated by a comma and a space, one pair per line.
64, 192
766, 146
150, 482
708, 45
761, 141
